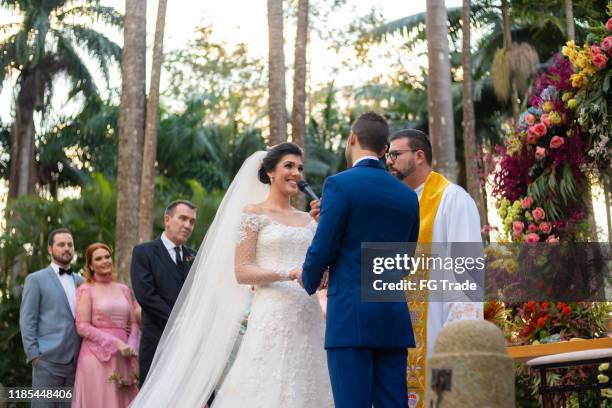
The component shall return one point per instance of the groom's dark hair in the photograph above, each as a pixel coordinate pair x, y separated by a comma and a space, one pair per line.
372, 131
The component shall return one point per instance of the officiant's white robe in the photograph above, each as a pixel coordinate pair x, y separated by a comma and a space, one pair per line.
457, 220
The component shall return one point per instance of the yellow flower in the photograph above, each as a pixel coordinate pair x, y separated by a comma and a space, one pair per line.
571, 103
547, 106
566, 96
582, 61
555, 118
579, 80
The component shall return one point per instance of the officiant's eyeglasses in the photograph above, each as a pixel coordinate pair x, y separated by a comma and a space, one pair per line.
396, 153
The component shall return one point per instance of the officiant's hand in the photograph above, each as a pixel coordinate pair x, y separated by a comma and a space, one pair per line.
126, 350
315, 209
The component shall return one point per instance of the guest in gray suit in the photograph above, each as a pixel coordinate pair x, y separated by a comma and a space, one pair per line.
46, 318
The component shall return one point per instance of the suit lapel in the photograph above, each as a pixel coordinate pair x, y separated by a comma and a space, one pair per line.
59, 288
168, 261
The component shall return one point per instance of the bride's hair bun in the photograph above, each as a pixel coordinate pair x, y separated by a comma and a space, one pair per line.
274, 156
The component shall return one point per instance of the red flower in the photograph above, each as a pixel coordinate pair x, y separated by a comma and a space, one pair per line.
545, 305
532, 228
545, 120
541, 322
595, 49
531, 304
556, 142
539, 129
530, 119
532, 138
552, 239
566, 310
540, 152
609, 24
532, 238
560, 305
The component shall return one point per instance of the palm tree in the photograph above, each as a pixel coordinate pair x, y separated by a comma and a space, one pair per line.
43, 45
569, 20
131, 134
298, 114
469, 131
147, 187
277, 109
441, 120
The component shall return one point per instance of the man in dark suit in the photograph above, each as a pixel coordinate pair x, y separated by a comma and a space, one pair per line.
365, 341
159, 269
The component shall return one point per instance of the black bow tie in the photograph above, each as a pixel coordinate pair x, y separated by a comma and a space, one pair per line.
63, 271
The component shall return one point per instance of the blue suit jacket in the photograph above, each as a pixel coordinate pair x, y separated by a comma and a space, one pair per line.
361, 204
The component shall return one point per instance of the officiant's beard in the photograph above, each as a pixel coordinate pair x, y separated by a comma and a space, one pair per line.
403, 174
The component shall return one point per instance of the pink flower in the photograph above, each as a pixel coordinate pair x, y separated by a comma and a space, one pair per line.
530, 119
539, 129
609, 24
532, 228
517, 228
540, 153
545, 120
538, 214
600, 61
532, 138
552, 239
532, 238
526, 202
556, 142
546, 227
595, 49
606, 44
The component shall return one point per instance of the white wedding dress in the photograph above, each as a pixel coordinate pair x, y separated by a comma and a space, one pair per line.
281, 361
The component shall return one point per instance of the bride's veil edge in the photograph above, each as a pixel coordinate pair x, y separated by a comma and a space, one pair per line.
205, 321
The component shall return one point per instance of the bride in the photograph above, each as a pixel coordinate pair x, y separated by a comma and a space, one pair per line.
257, 240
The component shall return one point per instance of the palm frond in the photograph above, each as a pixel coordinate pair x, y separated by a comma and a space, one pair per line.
70, 62
7, 56
96, 44
95, 12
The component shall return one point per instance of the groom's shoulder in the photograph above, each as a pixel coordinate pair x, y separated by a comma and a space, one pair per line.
146, 246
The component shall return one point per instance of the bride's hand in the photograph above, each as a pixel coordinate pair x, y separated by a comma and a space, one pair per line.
296, 274
324, 280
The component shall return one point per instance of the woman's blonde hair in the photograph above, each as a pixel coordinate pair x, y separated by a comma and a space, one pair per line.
88, 269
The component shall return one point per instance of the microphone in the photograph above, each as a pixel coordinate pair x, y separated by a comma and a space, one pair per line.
306, 189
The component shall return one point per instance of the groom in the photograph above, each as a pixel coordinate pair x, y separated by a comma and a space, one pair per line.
365, 342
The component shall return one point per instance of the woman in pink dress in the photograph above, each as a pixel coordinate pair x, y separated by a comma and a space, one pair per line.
107, 368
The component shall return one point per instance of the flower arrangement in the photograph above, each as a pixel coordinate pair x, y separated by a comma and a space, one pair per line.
123, 382
591, 94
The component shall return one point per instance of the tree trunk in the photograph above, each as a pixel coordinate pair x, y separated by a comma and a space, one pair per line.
569, 19
131, 134
277, 109
298, 114
441, 122
22, 171
469, 133
507, 44
147, 186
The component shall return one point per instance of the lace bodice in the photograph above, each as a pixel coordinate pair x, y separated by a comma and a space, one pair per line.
266, 247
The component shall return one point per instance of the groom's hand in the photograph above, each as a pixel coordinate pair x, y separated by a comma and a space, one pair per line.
315, 209
324, 280
296, 274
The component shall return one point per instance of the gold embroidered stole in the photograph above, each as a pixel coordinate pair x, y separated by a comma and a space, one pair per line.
417, 357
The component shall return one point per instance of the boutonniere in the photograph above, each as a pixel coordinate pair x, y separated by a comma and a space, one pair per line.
189, 258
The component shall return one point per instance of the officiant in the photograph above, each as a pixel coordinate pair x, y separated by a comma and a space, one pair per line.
447, 215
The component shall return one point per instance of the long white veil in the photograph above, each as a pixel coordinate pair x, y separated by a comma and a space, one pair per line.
205, 321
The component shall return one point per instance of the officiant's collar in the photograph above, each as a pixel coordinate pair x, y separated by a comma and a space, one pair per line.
365, 158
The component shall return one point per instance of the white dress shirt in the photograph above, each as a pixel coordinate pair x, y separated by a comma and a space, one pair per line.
67, 282
170, 247
365, 158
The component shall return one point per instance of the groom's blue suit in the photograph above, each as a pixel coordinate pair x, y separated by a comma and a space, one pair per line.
366, 342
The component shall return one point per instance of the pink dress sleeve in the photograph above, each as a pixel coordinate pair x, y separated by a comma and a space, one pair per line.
134, 329
103, 345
